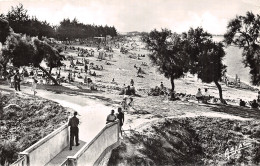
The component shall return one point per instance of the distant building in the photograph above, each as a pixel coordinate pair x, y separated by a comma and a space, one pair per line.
134, 33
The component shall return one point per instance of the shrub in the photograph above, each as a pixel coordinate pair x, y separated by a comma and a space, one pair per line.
8, 152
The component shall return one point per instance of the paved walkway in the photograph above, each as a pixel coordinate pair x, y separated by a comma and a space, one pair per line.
62, 156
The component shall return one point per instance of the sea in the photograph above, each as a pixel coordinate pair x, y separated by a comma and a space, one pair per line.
233, 60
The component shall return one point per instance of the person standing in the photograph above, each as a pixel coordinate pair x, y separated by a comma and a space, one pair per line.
74, 130
206, 96
258, 97
85, 79
12, 81
17, 80
122, 90
86, 68
124, 104
69, 77
132, 82
11, 78
111, 117
162, 86
121, 118
34, 84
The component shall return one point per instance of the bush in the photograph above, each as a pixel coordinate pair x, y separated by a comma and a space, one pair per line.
8, 152
25, 121
256, 155
256, 132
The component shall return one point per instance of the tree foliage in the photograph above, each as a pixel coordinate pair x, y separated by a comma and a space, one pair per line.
205, 57
48, 53
21, 22
19, 50
22, 50
25, 50
194, 51
194, 45
5, 30
73, 29
210, 63
167, 53
243, 31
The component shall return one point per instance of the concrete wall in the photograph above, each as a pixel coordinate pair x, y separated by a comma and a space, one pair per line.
92, 152
44, 150
104, 161
20, 162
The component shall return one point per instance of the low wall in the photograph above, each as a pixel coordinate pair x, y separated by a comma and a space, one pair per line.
20, 162
92, 153
48, 147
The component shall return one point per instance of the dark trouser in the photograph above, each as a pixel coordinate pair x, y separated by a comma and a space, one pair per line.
17, 85
74, 132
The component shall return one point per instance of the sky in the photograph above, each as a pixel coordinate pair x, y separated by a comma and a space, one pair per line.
140, 15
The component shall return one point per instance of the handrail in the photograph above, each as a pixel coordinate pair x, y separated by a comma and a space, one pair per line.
85, 147
19, 162
45, 139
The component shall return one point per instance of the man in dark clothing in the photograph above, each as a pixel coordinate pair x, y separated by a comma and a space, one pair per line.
121, 118
74, 130
17, 80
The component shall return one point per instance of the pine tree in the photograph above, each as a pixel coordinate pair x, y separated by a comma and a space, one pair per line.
22, 50
243, 32
167, 53
205, 57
